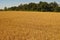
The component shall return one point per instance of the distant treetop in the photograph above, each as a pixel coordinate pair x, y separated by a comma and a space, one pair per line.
41, 6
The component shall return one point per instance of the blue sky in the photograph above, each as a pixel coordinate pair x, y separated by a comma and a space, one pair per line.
9, 3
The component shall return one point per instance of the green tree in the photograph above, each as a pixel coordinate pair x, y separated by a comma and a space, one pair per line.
5, 9
25, 7
32, 6
57, 9
43, 6
53, 6
13, 8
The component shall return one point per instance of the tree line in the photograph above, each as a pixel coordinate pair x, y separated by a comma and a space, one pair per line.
41, 6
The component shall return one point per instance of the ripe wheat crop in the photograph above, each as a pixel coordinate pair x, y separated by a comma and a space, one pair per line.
21, 25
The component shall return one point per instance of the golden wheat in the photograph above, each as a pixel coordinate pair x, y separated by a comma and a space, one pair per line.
20, 25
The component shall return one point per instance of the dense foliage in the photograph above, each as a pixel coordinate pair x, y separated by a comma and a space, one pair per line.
41, 6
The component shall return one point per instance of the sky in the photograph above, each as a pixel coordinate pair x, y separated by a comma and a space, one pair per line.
9, 3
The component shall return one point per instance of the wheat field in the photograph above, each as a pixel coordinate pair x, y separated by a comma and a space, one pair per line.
23, 25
